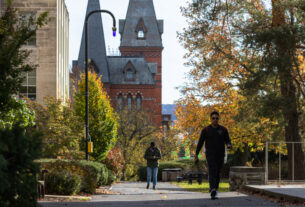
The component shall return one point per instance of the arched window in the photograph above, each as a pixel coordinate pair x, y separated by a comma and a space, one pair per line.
139, 102
141, 29
129, 102
120, 101
141, 34
129, 74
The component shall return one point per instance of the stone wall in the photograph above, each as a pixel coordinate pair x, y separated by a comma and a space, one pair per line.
50, 53
242, 175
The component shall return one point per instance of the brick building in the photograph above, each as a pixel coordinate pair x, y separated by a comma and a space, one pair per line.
133, 79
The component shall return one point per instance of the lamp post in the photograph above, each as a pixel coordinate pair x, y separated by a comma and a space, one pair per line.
86, 69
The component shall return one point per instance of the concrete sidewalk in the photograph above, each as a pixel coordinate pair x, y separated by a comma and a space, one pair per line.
291, 192
135, 194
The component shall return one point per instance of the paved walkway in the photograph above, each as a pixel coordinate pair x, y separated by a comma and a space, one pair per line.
131, 194
288, 192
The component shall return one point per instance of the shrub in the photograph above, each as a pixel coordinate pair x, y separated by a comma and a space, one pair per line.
185, 165
18, 150
62, 183
93, 174
104, 176
111, 177
114, 162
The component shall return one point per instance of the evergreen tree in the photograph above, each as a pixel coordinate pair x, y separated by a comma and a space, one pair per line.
102, 118
18, 182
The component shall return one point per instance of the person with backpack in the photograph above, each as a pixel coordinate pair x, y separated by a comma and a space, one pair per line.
215, 137
152, 155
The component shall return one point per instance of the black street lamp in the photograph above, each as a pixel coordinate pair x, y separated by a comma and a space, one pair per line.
86, 69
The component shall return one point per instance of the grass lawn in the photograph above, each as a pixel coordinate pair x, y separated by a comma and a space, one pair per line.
204, 187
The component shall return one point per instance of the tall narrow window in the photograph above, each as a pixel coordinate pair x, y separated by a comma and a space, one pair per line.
28, 87
29, 18
141, 29
129, 74
141, 34
120, 101
139, 102
129, 102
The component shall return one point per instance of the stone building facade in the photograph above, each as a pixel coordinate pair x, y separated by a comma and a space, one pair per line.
49, 50
133, 79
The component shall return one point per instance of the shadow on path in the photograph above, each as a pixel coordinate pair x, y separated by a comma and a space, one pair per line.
204, 202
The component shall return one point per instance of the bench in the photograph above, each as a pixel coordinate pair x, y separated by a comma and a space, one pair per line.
190, 176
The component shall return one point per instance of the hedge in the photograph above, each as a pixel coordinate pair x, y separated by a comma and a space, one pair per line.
92, 174
62, 183
185, 165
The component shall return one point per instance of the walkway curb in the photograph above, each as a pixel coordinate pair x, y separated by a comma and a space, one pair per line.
68, 198
279, 196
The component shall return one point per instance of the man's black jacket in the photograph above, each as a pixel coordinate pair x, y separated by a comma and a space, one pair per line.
214, 139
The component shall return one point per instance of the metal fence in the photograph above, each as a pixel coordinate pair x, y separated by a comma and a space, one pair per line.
281, 146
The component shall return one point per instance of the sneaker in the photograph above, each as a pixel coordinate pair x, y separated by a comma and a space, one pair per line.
216, 196
147, 186
213, 194
154, 187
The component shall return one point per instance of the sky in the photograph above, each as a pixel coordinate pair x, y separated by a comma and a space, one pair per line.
174, 71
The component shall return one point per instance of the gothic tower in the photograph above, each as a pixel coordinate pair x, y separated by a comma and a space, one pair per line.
96, 43
134, 79
141, 36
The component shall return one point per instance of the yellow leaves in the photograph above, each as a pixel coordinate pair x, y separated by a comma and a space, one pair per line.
301, 65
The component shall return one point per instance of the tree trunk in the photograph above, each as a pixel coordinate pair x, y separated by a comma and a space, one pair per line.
244, 155
288, 93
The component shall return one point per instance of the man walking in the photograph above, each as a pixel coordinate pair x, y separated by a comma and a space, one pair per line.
152, 155
215, 137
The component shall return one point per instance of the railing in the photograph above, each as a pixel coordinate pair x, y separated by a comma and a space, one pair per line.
280, 145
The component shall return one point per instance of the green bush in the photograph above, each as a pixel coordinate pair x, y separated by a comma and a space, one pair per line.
111, 177
18, 150
62, 183
186, 165
104, 176
92, 174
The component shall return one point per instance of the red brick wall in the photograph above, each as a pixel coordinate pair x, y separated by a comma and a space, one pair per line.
151, 94
147, 93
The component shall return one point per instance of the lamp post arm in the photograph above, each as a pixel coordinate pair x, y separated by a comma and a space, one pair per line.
102, 11
86, 71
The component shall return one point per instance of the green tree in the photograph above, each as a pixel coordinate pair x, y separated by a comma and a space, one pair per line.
168, 141
15, 31
61, 129
136, 131
254, 47
21, 116
102, 118
18, 150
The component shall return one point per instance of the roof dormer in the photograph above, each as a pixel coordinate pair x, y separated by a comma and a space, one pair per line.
129, 72
141, 30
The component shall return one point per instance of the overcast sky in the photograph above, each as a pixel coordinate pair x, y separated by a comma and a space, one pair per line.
168, 10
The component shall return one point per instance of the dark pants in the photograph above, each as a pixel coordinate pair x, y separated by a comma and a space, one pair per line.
215, 163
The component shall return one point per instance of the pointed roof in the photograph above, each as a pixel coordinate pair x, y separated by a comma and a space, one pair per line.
138, 9
96, 42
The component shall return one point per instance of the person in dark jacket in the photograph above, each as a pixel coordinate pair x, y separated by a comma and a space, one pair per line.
215, 138
152, 155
